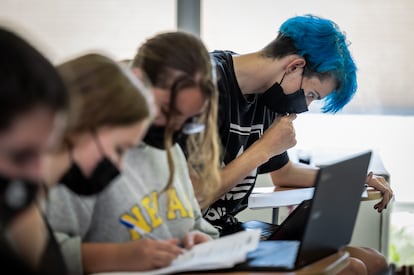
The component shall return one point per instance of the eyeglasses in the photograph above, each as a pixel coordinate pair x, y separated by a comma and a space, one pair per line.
183, 82
192, 126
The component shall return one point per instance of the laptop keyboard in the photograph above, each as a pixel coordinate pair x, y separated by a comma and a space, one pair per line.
267, 232
267, 229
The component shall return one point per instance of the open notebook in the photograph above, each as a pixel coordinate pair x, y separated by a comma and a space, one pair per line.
221, 253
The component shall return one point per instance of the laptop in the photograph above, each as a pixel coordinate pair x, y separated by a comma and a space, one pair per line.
291, 228
329, 219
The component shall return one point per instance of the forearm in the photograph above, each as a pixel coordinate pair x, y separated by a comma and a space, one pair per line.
139, 255
235, 171
294, 175
275, 140
102, 257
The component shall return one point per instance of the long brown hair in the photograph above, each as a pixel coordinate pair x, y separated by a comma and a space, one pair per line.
161, 56
102, 93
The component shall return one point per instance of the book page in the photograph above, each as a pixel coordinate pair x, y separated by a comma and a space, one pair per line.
224, 252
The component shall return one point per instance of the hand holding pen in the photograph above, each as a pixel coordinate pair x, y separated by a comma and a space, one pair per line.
147, 253
137, 229
194, 237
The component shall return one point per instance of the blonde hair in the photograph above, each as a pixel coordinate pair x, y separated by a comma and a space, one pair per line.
102, 93
161, 56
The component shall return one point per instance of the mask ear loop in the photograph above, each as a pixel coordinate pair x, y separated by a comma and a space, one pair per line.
42, 205
283, 77
100, 146
301, 81
69, 147
98, 142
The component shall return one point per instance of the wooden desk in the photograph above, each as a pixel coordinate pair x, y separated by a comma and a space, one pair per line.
329, 266
372, 195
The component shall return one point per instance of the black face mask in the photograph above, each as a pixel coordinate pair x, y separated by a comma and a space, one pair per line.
15, 197
279, 102
155, 136
101, 177
103, 174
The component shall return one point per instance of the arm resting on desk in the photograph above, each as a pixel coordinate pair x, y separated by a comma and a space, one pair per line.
294, 175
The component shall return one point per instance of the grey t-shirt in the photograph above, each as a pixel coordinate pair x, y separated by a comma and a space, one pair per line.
138, 196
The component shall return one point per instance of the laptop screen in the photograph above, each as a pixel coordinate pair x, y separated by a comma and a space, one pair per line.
334, 208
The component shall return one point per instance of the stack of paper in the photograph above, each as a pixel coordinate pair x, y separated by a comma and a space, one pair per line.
221, 253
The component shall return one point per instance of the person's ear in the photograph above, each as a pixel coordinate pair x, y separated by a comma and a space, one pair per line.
295, 64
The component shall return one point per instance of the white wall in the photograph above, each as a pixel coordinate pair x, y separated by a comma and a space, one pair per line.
63, 28
391, 136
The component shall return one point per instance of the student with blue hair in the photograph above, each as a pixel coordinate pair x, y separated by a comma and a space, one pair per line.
260, 94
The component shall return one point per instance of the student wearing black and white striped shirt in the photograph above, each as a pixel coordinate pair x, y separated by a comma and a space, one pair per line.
260, 94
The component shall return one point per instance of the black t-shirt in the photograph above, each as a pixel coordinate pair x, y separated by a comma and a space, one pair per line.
11, 262
51, 262
241, 120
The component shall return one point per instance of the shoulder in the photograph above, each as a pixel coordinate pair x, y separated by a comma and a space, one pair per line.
222, 58
143, 152
226, 77
60, 195
178, 153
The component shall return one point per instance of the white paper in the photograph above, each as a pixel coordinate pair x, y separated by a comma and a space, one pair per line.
224, 252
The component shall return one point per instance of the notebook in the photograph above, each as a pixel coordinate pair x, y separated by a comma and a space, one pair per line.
221, 253
329, 219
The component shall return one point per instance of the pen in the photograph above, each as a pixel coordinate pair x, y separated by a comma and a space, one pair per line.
140, 231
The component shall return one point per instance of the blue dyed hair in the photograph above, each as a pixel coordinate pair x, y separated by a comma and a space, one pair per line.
325, 49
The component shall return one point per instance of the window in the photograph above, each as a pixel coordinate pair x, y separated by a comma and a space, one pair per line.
379, 31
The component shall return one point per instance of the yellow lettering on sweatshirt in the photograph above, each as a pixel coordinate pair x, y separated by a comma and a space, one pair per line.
150, 204
138, 220
175, 205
